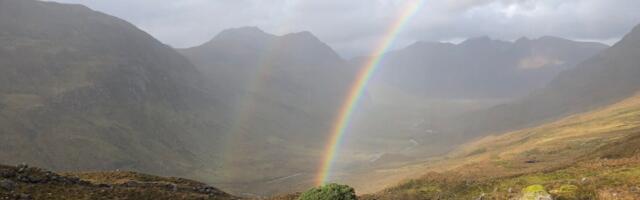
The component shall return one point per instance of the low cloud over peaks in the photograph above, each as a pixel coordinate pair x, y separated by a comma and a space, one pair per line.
354, 27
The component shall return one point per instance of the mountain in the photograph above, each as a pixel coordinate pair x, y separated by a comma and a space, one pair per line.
81, 90
295, 69
285, 92
481, 68
598, 81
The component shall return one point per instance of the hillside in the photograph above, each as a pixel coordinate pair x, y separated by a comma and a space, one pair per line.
597, 153
24, 182
590, 155
81, 90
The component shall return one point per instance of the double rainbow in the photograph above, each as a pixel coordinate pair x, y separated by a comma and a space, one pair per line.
355, 93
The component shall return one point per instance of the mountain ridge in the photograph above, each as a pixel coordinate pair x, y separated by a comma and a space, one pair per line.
490, 68
600, 80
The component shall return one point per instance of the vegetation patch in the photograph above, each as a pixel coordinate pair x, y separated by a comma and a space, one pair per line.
535, 192
329, 192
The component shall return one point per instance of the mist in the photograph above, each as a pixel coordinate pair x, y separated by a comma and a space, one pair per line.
403, 99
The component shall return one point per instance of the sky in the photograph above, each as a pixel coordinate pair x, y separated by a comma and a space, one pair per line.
354, 27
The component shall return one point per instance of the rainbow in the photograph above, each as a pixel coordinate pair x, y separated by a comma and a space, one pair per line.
358, 87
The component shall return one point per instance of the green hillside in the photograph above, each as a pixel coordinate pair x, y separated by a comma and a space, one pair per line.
590, 155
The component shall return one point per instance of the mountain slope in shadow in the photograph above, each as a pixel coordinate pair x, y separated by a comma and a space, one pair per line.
81, 90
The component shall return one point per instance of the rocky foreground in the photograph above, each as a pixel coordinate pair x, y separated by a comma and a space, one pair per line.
24, 183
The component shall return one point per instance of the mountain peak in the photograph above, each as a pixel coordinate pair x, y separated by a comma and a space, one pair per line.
483, 38
522, 40
247, 31
303, 35
483, 42
425, 44
242, 35
553, 39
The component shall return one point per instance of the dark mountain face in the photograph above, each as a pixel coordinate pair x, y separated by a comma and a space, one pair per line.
80, 90
605, 78
296, 72
481, 67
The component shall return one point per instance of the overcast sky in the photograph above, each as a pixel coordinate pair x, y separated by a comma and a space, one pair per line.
352, 27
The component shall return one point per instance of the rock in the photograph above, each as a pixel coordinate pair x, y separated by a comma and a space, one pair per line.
173, 187
35, 179
481, 197
566, 192
207, 190
22, 167
53, 177
7, 173
24, 197
7, 184
535, 192
131, 184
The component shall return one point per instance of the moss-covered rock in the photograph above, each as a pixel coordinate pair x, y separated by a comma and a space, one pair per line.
535, 192
565, 192
329, 192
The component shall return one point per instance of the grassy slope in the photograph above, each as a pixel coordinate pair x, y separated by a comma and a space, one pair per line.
595, 151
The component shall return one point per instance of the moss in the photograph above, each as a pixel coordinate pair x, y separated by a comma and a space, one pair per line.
535, 192
329, 192
565, 192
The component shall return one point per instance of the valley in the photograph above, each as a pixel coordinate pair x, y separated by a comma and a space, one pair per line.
255, 112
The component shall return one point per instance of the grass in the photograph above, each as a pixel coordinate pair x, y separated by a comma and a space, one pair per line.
585, 156
589, 180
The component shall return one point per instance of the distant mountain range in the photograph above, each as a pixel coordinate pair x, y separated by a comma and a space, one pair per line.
481, 67
605, 78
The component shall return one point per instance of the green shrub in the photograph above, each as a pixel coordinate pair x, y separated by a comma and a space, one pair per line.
329, 192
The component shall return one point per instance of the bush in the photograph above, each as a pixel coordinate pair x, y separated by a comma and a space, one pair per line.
329, 192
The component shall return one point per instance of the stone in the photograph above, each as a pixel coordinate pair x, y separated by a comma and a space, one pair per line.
7, 173
24, 197
173, 187
22, 167
7, 184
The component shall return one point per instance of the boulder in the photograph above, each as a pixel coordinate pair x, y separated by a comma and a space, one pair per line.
7, 184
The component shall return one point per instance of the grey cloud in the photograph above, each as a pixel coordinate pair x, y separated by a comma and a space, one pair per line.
354, 27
